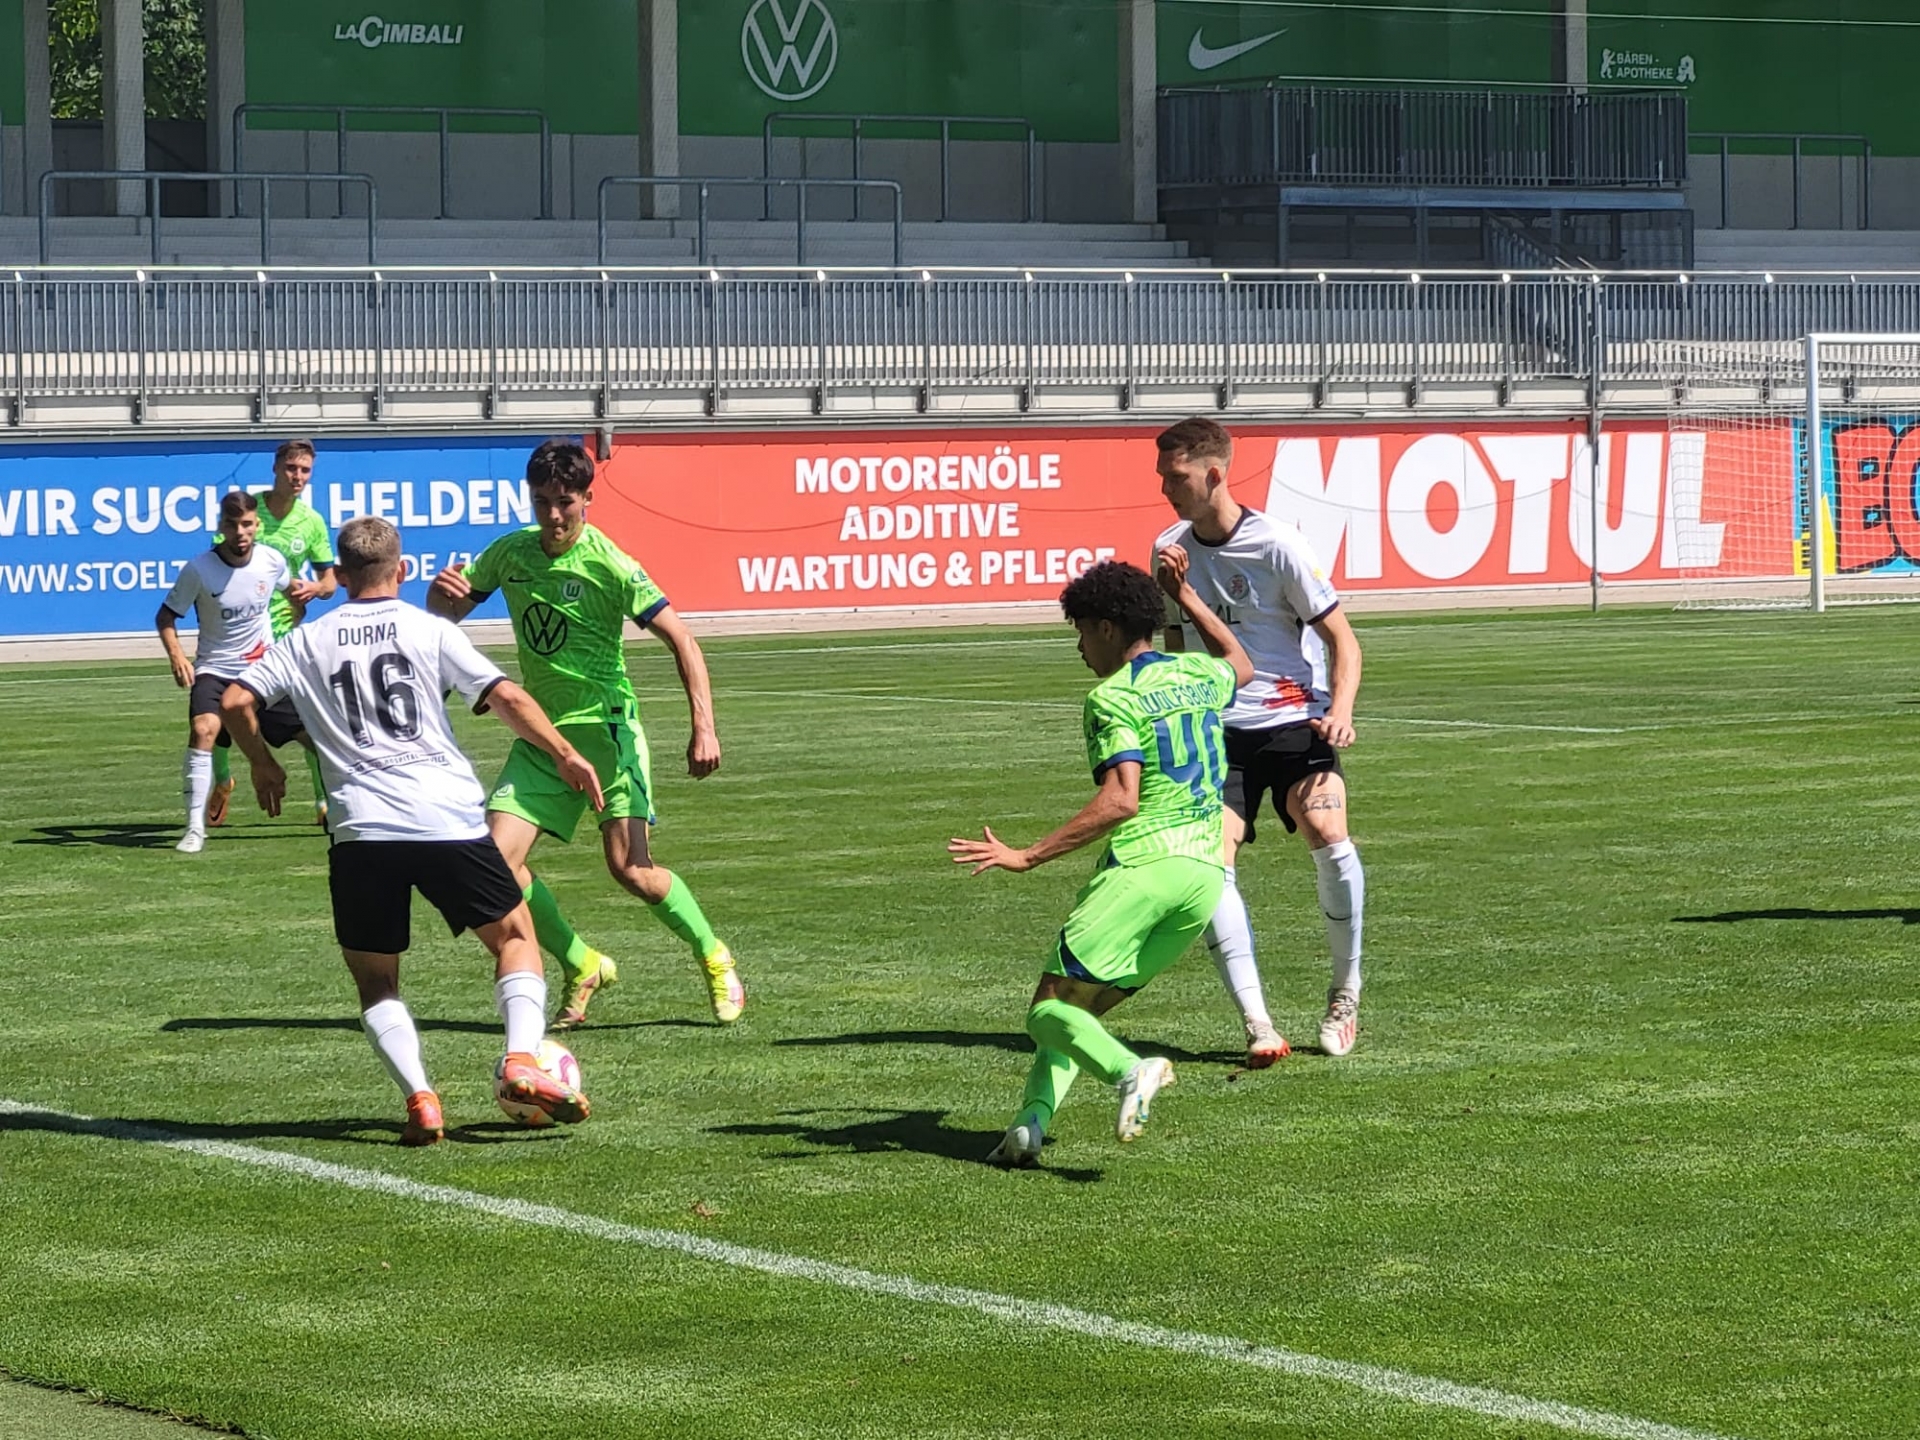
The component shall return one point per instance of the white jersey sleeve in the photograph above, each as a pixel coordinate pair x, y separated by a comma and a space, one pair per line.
186, 591
272, 676
464, 668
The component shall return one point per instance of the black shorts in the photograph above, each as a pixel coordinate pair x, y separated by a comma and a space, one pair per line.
1263, 761
279, 722
372, 881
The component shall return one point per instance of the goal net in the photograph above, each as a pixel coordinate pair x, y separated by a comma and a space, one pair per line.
1800, 462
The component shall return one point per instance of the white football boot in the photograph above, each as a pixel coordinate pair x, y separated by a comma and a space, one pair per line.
1342, 1022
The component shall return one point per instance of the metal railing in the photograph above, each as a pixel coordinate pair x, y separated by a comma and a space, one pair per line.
1770, 143
266, 179
705, 184
445, 115
1299, 135
1030, 172
1098, 341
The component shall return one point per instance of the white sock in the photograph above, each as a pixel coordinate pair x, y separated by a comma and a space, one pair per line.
1230, 942
1343, 900
521, 999
390, 1028
198, 777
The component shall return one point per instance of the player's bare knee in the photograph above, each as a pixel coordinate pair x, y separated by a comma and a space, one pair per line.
1318, 809
649, 882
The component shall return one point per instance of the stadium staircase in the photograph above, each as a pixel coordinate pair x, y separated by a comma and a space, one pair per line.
1842, 251
479, 243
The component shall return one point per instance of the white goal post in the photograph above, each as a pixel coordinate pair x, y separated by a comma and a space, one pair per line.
1805, 459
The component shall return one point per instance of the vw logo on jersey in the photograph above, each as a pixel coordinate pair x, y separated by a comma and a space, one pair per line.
571, 590
789, 47
543, 628
1238, 588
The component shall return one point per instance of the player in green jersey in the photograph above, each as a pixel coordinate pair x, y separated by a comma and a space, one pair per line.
570, 591
1154, 743
291, 526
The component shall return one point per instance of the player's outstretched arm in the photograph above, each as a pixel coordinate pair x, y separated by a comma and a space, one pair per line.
166, 622
1343, 683
451, 594
1114, 803
523, 715
237, 713
703, 749
1170, 570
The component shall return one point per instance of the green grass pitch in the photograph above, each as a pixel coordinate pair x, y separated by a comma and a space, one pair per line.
1631, 1124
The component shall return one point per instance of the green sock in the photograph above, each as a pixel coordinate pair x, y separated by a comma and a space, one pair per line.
1047, 1083
222, 765
1056, 1025
557, 937
681, 914
313, 769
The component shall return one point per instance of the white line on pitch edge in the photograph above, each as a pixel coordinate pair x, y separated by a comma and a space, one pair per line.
1378, 1380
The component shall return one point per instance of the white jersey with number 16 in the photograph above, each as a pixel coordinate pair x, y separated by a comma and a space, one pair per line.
368, 680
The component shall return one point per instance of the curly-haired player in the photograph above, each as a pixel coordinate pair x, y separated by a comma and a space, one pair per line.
1154, 742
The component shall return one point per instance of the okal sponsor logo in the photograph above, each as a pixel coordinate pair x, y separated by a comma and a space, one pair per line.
789, 47
373, 32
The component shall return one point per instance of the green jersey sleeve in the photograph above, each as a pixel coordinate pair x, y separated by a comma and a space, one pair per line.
644, 599
1115, 731
319, 542
488, 568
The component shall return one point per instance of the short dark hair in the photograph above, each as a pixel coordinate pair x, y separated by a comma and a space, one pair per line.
563, 464
1200, 438
1114, 590
369, 548
289, 448
236, 503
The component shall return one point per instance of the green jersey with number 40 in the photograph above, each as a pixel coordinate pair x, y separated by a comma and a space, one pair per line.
1163, 712
569, 619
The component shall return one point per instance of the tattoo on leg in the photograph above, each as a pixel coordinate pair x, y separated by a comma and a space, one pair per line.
1322, 801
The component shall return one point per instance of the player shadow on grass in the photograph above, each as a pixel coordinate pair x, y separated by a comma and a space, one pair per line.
1735, 917
924, 1132
163, 1131
145, 836
343, 1022
1012, 1041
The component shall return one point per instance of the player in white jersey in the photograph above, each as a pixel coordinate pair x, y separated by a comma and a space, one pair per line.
369, 681
1285, 731
230, 589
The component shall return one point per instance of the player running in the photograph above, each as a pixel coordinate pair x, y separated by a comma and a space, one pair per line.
293, 528
228, 589
570, 591
1153, 739
368, 682
1286, 730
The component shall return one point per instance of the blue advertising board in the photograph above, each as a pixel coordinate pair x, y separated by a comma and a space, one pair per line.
92, 535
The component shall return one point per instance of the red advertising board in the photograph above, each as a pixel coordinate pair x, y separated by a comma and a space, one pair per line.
807, 520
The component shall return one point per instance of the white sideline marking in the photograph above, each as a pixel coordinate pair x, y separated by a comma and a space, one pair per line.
1395, 1384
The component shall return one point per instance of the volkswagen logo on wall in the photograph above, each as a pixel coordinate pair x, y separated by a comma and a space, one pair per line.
789, 47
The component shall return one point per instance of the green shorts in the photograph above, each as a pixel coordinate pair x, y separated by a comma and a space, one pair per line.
1132, 921
530, 786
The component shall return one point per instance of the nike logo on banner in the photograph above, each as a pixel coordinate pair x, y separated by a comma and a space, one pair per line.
1202, 56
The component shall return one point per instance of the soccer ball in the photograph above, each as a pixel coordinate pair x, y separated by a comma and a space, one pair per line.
557, 1061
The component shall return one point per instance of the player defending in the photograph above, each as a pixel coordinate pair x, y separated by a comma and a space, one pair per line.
1286, 730
1153, 740
368, 682
227, 588
291, 527
570, 591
